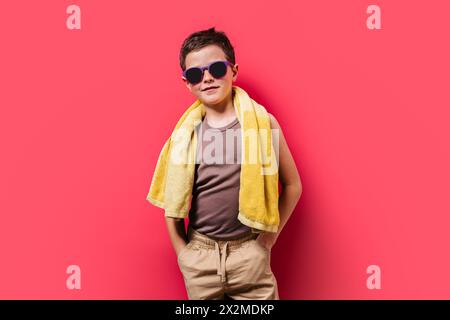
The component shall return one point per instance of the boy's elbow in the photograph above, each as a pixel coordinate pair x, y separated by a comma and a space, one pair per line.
295, 189
298, 188
298, 191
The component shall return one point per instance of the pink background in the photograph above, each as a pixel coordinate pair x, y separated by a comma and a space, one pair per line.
84, 115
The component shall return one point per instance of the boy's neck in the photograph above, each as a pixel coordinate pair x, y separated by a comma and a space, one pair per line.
220, 114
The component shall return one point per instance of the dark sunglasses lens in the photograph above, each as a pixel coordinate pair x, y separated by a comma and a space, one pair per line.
218, 69
194, 75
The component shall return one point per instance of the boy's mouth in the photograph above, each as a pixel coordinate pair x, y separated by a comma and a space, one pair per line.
209, 88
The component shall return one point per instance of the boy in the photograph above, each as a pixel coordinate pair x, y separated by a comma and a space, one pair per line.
220, 257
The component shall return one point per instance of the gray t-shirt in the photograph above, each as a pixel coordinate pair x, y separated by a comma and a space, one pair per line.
215, 195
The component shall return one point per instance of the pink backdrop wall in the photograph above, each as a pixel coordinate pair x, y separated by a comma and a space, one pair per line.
84, 114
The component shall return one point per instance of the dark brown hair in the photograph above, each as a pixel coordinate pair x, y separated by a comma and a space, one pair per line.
203, 38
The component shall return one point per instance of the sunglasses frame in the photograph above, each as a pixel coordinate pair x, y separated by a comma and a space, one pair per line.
202, 69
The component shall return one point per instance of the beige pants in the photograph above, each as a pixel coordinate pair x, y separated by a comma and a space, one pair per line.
218, 269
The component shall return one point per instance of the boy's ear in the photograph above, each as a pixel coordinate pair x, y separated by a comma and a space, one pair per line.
235, 71
186, 83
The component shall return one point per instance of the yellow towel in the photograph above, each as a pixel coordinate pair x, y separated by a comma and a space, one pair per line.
173, 179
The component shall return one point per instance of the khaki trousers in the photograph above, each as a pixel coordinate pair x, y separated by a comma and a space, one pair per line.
219, 269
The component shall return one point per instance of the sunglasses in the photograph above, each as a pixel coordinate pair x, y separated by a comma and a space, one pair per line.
217, 69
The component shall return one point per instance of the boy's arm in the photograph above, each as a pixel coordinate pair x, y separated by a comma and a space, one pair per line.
291, 185
177, 233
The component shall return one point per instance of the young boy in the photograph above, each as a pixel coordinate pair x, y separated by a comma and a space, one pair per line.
220, 257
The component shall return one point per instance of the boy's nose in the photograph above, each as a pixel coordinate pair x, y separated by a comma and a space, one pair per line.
207, 75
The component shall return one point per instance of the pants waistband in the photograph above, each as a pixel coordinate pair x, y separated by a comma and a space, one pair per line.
220, 247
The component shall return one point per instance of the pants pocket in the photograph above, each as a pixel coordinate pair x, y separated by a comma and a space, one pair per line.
261, 246
184, 250
254, 267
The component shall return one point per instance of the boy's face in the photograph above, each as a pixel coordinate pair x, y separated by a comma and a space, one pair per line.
201, 58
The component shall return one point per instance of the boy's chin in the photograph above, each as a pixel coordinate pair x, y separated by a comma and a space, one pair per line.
211, 100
